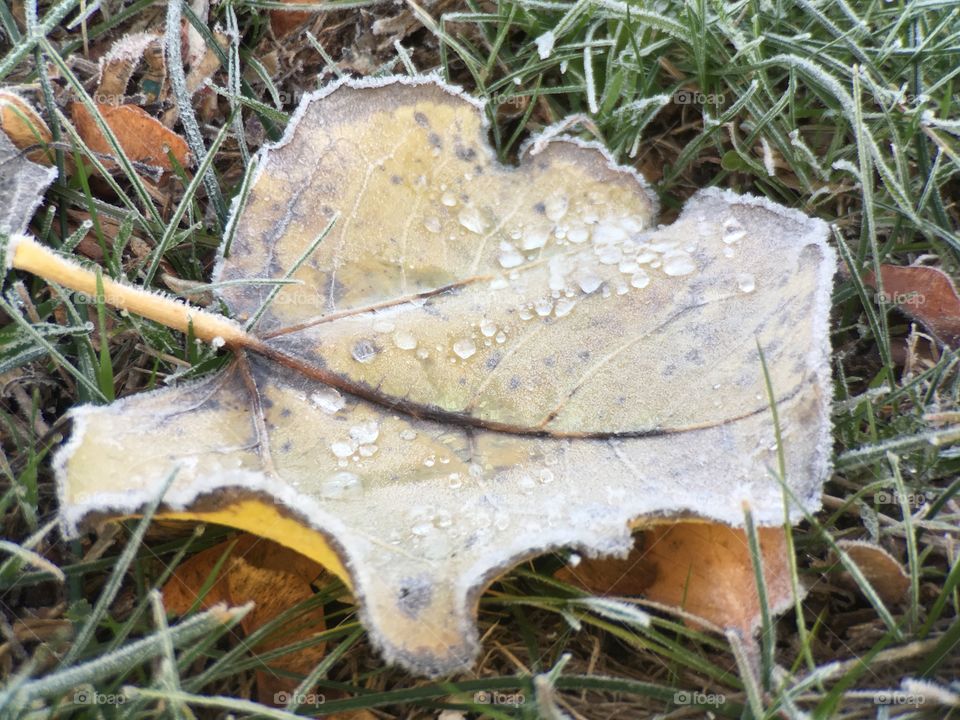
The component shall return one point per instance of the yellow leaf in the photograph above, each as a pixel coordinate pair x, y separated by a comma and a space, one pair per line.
480, 363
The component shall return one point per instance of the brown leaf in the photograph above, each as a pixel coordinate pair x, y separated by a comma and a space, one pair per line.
284, 22
275, 578
24, 127
142, 138
702, 568
882, 570
925, 294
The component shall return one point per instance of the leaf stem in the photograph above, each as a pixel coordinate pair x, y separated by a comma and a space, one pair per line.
25, 253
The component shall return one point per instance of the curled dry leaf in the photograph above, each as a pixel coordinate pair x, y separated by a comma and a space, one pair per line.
925, 294
143, 138
882, 570
703, 568
276, 579
481, 363
24, 127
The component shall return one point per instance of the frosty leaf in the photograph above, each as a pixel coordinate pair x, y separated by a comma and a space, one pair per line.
22, 185
481, 363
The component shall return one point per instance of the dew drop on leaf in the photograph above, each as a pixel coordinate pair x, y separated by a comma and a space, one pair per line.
341, 486
678, 263
404, 340
464, 348
472, 220
746, 282
328, 400
366, 433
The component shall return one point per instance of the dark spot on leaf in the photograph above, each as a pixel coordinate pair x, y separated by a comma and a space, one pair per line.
435, 141
584, 355
466, 154
550, 361
364, 350
493, 360
286, 447
396, 179
421, 119
515, 382
414, 596
540, 208
286, 412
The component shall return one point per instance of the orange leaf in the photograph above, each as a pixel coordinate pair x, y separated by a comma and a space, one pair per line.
702, 568
24, 127
275, 578
143, 138
284, 22
926, 294
884, 571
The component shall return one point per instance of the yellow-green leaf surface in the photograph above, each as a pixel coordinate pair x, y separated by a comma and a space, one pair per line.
481, 363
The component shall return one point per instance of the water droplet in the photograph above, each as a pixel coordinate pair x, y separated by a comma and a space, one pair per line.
535, 238
442, 519
368, 450
526, 312
588, 281
546, 476
622, 289
556, 207
646, 256
464, 348
364, 351
628, 267
341, 486
578, 235
366, 433
430, 461
640, 279
678, 263
609, 254
488, 328
563, 307
746, 282
509, 256
733, 231
448, 199
328, 400
422, 528
454, 481
432, 224
472, 220
404, 340
543, 306
607, 233
729, 252
342, 449
408, 434
501, 337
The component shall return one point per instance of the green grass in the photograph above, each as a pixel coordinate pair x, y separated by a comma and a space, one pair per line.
855, 107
